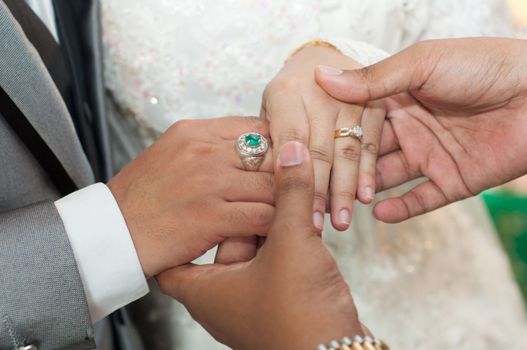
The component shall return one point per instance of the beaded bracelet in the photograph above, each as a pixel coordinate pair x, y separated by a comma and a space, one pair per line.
358, 343
314, 42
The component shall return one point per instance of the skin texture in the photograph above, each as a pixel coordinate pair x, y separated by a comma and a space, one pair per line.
298, 109
188, 192
457, 115
291, 295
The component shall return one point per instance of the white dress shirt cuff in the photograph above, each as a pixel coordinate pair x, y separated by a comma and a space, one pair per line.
109, 267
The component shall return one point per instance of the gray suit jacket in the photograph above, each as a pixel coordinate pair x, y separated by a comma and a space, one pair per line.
42, 301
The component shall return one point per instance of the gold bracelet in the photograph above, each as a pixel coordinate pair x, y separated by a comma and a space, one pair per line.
314, 42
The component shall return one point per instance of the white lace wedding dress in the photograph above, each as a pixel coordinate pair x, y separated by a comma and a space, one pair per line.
440, 281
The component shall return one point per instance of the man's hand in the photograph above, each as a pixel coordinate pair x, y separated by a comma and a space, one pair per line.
457, 115
188, 192
291, 295
298, 109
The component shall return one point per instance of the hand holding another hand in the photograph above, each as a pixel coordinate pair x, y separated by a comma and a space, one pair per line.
188, 192
291, 295
457, 115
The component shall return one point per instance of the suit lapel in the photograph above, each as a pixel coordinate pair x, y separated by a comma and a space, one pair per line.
25, 79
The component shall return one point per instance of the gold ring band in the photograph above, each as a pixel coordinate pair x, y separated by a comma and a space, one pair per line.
355, 132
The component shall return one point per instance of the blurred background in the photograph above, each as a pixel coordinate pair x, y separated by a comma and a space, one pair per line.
519, 12
508, 204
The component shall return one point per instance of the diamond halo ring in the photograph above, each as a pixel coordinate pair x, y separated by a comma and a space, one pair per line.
355, 132
251, 147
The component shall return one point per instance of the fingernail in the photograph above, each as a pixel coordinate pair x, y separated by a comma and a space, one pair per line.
318, 220
344, 217
369, 193
330, 70
292, 154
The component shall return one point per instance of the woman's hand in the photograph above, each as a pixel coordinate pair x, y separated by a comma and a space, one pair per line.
291, 295
298, 109
459, 119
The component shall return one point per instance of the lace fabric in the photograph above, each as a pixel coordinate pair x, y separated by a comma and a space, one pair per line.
435, 282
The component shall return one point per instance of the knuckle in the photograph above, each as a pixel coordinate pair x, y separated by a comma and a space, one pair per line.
320, 197
368, 72
371, 148
321, 153
424, 56
290, 227
349, 152
262, 217
420, 204
199, 149
292, 134
181, 126
280, 86
293, 184
285, 227
257, 124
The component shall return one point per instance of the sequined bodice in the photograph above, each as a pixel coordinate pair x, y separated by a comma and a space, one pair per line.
437, 282
161, 55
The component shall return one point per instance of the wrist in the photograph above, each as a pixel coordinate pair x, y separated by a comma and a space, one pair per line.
321, 332
323, 55
142, 247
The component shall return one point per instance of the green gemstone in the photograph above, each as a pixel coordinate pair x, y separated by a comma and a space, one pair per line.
253, 140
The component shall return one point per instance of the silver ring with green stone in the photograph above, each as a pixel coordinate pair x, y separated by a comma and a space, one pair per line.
252, 147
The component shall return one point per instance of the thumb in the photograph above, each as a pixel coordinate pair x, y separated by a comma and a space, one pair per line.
294, 188
399, 73
183, 282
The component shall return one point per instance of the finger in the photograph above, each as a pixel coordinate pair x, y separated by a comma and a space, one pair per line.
244, 219
250, 186
372, 125
423, 198
230, 128
227, 128
321, 146
288, 120
393, 170
344, 176
389, 141
404, 71
238, 249
187, 283
402, 106
294, 194
236, 161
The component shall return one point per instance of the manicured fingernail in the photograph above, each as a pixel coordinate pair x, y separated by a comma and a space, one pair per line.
369, 193
318, 220
292, 154
330, 70
344, 217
